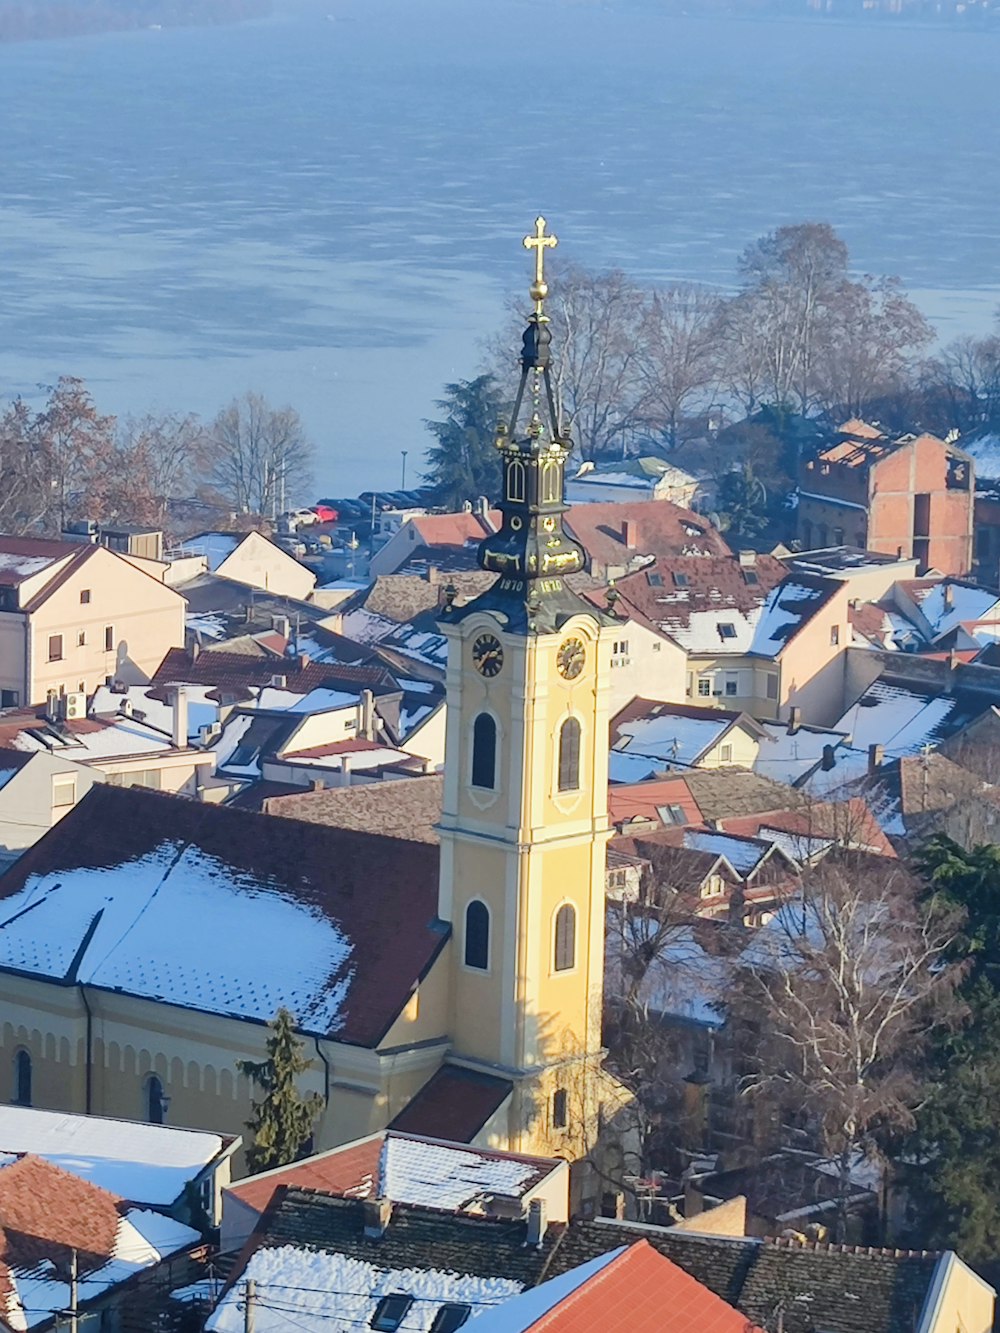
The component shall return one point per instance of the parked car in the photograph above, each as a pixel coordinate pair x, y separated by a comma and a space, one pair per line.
325, 514
300, 518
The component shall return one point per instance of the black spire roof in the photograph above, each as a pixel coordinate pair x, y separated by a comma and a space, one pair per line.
532, 552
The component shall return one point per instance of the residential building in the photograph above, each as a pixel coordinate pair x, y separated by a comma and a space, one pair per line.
72, 1252
632, 479
439, 536
179, 1172
36, 790
756, 638
406, 1169
251, 559
649, 738
909, 497
76, 616
869, 575
619, 538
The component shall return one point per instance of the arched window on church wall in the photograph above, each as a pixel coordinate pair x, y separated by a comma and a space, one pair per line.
477, 935
564, 938
484, 752
22, 1079
569, 755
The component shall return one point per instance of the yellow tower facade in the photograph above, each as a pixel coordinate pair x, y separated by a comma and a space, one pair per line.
524, 823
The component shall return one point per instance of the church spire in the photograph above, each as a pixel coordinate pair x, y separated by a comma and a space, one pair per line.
532, 552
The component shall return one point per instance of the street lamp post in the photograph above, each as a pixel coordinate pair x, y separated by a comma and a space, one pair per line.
402, 484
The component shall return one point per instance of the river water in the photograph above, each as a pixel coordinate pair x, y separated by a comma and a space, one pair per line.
329, 209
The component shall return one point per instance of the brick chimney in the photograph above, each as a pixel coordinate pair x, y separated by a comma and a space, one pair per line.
630, 533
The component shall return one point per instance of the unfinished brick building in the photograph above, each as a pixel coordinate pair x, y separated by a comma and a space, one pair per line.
908, 497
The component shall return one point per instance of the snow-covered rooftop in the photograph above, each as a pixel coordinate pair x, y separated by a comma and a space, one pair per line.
145, 1164
670, 738
439, 1175
202, 711
322, 1292
787, 754
787, 609
743, 854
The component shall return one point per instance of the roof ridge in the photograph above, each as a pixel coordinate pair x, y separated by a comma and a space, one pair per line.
834, 1247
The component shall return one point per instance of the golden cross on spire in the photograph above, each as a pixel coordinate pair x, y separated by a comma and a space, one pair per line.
539, 242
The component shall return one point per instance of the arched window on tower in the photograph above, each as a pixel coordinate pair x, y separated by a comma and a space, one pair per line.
515, 480
156, 1105
569, 755
22, 1078
484, 752
550, 483
565, 938
477, 935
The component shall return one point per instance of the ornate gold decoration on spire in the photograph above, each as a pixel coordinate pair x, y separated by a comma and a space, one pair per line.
539, 242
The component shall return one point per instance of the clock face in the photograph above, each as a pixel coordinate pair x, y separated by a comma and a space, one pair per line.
487, 655
570, 658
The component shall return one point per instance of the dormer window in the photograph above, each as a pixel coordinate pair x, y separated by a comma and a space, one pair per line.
390, 1312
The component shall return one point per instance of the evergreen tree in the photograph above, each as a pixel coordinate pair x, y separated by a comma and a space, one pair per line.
464, 463
742, 503
957, 1187
282, 1121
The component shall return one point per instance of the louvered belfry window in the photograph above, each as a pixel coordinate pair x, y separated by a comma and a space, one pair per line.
569, 755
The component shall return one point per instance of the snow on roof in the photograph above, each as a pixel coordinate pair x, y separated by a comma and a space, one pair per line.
897, 717
743, 854
630, 768
215, 546
143, 1239
362, 626
208, 624
274, 698
322, 1292
149, 1164
438, 1175
724, 629
787, 755
787, 608
946, 604
358, 754
670, 737
92, 740
180, 925
202, 711
14, 568
985, 452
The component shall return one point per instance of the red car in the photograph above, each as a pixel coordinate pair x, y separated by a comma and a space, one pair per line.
325, 514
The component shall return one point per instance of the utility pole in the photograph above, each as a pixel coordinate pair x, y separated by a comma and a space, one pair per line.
74, 1323
402, 482
249, 1301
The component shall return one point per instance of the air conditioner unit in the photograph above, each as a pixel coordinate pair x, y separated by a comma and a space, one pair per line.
209, 732
76, 706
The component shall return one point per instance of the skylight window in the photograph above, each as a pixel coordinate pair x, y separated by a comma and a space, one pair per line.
450, 1317
727, 630
391, 1311
750, 577
681, 580
655, 580
671, 814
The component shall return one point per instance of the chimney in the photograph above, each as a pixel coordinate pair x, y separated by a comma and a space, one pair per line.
794, 719
376, 1213
180, 724
125, 708
876, 753
694, 1200
433, 575
303, 661
466, 506
949, 596
828, 760
748, 559
367, 728
630, 533
537, 1222
281, 625
482, 507
316, 784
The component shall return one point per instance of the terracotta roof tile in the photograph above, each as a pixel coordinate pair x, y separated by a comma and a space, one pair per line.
22, 558
455, 1103
47, 1212
240, 673
643, 799
660, 529
455, 529
640, 1291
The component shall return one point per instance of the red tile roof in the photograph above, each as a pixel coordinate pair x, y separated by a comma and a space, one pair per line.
394, 933
455, 529
344, 1171
47, 1212
640, 800
850, 822
639, 1291
455, 1103
659, 528
352, 746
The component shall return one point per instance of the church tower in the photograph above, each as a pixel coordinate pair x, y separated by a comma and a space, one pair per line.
524, 824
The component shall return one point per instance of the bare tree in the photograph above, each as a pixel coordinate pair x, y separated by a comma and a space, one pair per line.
965, 378
837, 997
868, 344
158, 458
678, 359
75, 443
261, 459
24, 492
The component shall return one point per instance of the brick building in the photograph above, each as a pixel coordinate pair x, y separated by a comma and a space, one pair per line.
908, 497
